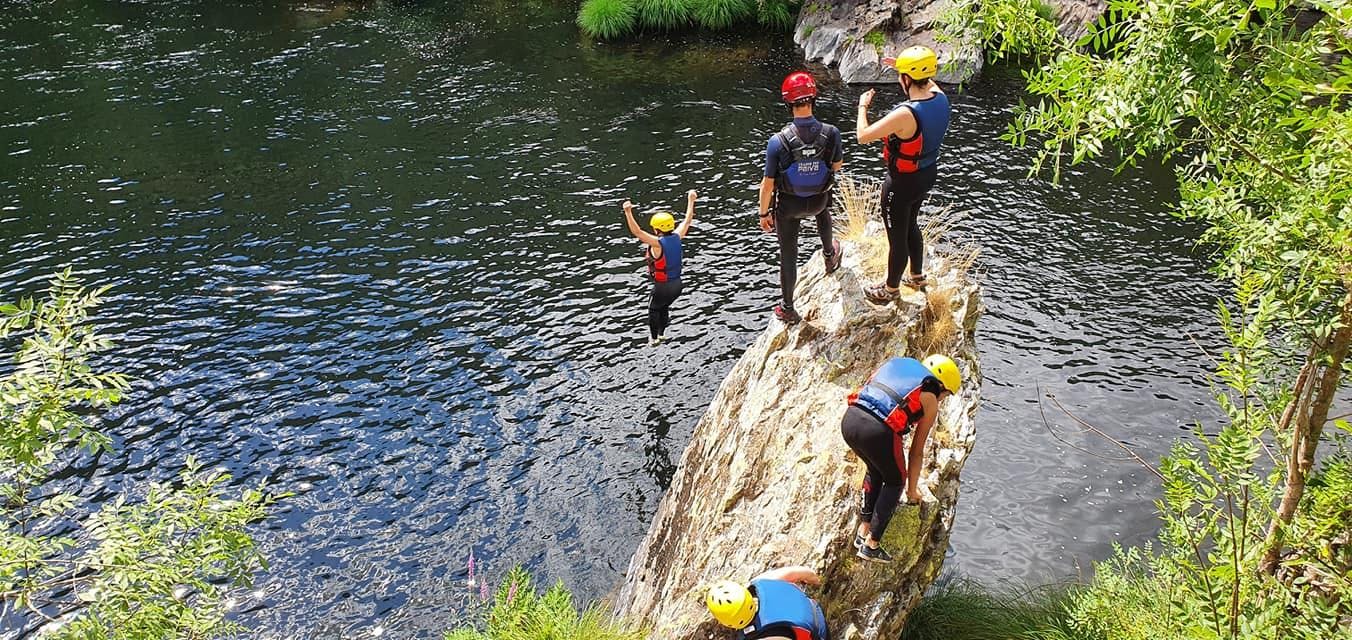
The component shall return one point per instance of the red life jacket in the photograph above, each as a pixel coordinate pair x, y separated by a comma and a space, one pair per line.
657, 267
892, 394
921, 150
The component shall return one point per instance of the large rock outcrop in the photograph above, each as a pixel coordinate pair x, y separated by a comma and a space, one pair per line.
854, 35
767, 480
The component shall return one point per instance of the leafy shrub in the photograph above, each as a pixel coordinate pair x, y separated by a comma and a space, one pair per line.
664, 14
158, 568
519, 612
607, 18
721, 14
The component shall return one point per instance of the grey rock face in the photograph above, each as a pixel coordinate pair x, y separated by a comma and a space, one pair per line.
767, 480
854, 35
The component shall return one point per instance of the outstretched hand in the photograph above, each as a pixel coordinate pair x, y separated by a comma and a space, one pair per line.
628, 207
690, 195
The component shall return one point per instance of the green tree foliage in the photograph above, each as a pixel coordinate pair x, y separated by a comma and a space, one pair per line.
1250, 98
148, 569
518, 611
611, 19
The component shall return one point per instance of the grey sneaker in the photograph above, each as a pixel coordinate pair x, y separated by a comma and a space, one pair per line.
874, 554
833, 262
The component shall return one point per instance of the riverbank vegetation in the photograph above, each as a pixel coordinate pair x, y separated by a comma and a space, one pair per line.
155, 563
1250, 99
609, 19
517, 610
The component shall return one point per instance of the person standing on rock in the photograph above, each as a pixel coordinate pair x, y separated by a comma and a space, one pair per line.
801, 161
902, 394
663, 252
912, 134
772, 607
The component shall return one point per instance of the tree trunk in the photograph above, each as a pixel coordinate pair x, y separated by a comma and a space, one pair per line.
1308, 411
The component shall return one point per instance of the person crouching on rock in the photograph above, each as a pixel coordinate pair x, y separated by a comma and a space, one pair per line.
800, 166
773, 606
903, 394
663, 252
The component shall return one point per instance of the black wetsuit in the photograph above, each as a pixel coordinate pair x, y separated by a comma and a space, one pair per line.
902, 195
790, 210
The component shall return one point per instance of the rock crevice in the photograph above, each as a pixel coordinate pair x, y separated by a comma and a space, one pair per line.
767, 480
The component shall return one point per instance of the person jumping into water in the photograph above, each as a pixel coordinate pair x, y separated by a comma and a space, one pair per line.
801, 161
663, 253
772, 607
912, 134
903, 394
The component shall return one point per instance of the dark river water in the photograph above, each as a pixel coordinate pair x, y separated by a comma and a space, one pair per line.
374, 255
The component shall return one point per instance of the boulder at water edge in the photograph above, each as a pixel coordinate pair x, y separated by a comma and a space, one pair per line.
854, 35
767, 480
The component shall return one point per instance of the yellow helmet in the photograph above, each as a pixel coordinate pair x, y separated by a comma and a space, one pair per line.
945, 370
918, 62
662, 221
732, 605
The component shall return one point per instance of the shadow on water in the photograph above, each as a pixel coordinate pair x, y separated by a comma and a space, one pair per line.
373, 254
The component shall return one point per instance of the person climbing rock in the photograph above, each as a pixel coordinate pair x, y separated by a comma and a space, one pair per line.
903, 394
912, 133
801, 161
662, 249
773, 606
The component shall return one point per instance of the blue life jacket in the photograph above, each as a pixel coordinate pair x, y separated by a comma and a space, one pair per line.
920, 151
668, 267
892, 395
782, 609
809, 172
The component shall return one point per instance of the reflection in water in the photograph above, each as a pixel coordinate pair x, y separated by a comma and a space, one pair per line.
378, 259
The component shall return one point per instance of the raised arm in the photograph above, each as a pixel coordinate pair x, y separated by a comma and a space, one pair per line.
689, 214
647, 238
895, 122
915, 458
794, 574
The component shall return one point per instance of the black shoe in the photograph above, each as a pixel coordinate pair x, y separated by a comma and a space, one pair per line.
787, 315
833, 260
858, 541
874, 554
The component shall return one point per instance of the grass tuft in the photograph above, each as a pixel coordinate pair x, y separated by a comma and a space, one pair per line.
721, 14
776, 14
959, 609
607, 19
668, 15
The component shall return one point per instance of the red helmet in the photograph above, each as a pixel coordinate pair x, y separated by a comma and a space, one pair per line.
798, 86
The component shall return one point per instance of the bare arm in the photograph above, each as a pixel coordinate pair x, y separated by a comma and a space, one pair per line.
915, 458
767, 193
689, 214
794, 574
900, 122
647, 238
835, 168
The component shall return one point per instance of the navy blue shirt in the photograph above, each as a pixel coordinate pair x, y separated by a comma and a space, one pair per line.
777, 158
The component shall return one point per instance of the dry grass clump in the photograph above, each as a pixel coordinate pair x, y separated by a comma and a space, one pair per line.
950, 265
856, 202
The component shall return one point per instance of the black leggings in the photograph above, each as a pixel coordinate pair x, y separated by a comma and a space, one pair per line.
903, 194
659, 306
789, 212
880, 448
